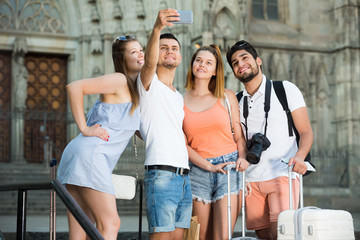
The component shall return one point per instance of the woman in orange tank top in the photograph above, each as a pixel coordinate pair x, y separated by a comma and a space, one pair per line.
211, 144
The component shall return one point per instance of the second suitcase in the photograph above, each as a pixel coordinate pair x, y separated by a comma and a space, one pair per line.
314, 223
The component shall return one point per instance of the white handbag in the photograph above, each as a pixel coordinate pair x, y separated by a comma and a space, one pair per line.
124, 185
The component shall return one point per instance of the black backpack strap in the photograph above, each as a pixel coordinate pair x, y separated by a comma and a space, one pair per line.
239, 96
281, 95
267, 102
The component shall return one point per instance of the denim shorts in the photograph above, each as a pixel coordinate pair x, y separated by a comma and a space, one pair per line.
168, 200
208, 186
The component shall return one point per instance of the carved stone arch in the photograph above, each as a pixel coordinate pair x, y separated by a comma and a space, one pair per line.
323, 107
277, 67
313, 69
299, 76
322, 71
224, 30
322, 86
225, 34
71, 15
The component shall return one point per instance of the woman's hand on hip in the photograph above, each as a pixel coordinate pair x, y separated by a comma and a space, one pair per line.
96, 131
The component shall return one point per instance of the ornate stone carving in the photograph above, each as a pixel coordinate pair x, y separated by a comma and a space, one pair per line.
20, 76
19, 95
117, 12
299, 75
94, 14
96, 45
20, 46
140, 11
33, 16
19, 73
322, 86
224, 29
322, 104
277, 67
206, 21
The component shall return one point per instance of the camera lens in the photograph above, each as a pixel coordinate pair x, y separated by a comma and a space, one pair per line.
253, 157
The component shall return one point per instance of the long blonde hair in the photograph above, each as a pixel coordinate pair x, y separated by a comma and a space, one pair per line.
217, 83
118, 55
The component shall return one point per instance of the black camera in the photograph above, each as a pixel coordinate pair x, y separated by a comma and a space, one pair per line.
256, 145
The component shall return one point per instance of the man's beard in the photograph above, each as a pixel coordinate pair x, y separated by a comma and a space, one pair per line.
247, 77
169, 65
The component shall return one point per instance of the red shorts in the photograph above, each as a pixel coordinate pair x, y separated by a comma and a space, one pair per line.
267, 200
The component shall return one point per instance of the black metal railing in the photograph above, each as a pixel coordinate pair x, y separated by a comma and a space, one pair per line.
68, 201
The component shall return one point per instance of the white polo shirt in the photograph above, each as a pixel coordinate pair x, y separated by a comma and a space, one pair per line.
162, 116
282, 146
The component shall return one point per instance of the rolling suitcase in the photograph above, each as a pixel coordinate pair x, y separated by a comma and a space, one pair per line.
228, 168
312, 222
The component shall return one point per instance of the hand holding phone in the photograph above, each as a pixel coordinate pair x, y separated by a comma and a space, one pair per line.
186, 17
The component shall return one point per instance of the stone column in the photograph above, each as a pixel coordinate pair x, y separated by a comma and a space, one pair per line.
346, 17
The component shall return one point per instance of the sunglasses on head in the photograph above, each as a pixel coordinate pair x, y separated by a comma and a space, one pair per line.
245, 44
125, 38
241, 43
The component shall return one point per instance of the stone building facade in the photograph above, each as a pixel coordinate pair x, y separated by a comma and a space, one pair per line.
45, 44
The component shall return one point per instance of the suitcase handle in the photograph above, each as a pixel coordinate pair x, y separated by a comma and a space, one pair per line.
301, 192
290, 170
228, 169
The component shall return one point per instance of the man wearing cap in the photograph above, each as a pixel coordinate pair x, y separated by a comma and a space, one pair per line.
269, 131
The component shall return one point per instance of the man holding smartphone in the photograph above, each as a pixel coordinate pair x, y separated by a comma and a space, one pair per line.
167, 183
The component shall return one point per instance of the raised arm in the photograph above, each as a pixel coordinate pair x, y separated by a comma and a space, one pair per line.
152, 49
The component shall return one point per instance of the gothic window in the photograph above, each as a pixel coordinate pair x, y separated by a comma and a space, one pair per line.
265, 9
43, 16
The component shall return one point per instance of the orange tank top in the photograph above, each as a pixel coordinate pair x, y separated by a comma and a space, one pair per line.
209, 132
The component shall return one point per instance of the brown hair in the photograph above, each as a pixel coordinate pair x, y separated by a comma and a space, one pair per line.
217, 82
118, 55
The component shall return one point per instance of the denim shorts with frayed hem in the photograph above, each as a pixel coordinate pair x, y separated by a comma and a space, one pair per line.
168, 200
209, 187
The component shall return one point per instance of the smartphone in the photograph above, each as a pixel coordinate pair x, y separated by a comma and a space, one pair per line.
186, 17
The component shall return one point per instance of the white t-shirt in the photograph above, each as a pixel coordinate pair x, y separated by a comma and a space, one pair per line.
162, 116
282, 145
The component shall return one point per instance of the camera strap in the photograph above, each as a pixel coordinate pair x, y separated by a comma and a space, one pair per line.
267, 102
266, 107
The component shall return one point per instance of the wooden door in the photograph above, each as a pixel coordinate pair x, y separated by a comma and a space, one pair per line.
46, 105
5, 96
